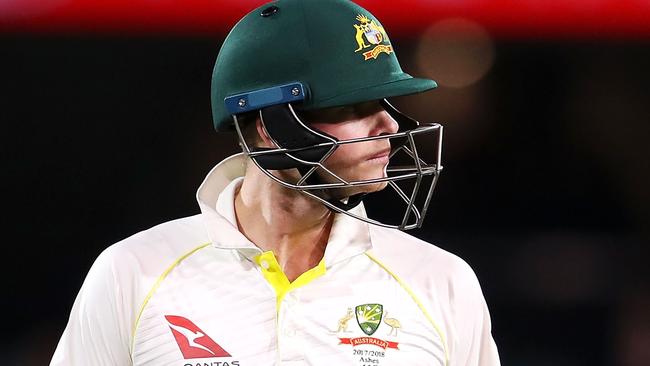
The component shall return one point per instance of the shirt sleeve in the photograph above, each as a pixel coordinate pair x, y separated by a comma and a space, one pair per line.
98, 331
474, 345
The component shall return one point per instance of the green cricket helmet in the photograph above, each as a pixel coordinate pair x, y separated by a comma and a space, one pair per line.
292, 55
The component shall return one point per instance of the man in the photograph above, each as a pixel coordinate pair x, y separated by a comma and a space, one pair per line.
282, 266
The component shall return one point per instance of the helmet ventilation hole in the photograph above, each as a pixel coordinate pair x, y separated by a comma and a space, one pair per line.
269, 11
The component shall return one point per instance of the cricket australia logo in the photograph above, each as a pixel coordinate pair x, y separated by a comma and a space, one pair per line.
371, 38
369, 317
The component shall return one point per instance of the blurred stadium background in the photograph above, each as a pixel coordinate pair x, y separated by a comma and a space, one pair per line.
106, 130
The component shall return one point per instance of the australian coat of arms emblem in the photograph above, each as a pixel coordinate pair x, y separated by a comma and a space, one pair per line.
371, 38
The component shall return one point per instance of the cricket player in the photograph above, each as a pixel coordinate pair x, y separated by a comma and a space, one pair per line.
283, 266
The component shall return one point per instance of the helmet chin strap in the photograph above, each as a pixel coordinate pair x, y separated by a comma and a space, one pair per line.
353, 201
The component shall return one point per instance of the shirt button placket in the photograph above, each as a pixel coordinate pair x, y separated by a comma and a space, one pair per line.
291, 345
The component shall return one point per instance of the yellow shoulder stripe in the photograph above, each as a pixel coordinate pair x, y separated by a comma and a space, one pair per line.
155, 287
417, 301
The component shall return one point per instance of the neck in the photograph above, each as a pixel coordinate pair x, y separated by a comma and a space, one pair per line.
295, 227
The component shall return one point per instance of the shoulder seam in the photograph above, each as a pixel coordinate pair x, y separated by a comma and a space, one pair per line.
153, 289
416, 300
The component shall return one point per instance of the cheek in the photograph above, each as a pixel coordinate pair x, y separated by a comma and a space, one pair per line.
343, 156
346, 154
342, 131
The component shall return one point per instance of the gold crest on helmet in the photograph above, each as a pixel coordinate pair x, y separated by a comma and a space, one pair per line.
369, 34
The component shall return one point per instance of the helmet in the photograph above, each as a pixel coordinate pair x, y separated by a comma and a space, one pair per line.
293, 55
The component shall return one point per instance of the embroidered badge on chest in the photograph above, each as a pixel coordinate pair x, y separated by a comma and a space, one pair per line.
369, 350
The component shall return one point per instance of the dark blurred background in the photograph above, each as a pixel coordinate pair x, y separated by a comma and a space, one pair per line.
106, 131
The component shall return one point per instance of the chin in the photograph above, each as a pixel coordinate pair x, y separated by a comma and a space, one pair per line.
351, 191
369, 188
375, 173
376, 187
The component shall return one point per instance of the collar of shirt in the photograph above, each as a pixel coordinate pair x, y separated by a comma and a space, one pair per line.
216, 195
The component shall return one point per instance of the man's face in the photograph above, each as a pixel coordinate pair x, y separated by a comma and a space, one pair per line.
355, 161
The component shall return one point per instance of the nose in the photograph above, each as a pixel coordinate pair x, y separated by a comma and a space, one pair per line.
384, 123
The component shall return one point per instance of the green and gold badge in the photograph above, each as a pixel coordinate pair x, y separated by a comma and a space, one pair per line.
369, 317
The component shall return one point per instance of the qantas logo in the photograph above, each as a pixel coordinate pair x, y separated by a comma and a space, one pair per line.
192, 341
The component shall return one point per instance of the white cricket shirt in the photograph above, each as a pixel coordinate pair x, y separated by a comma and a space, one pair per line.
196, 292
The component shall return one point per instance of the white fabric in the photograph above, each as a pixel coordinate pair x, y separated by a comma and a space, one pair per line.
222, 291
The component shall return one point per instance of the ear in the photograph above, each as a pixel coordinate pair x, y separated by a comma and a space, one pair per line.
263, 134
